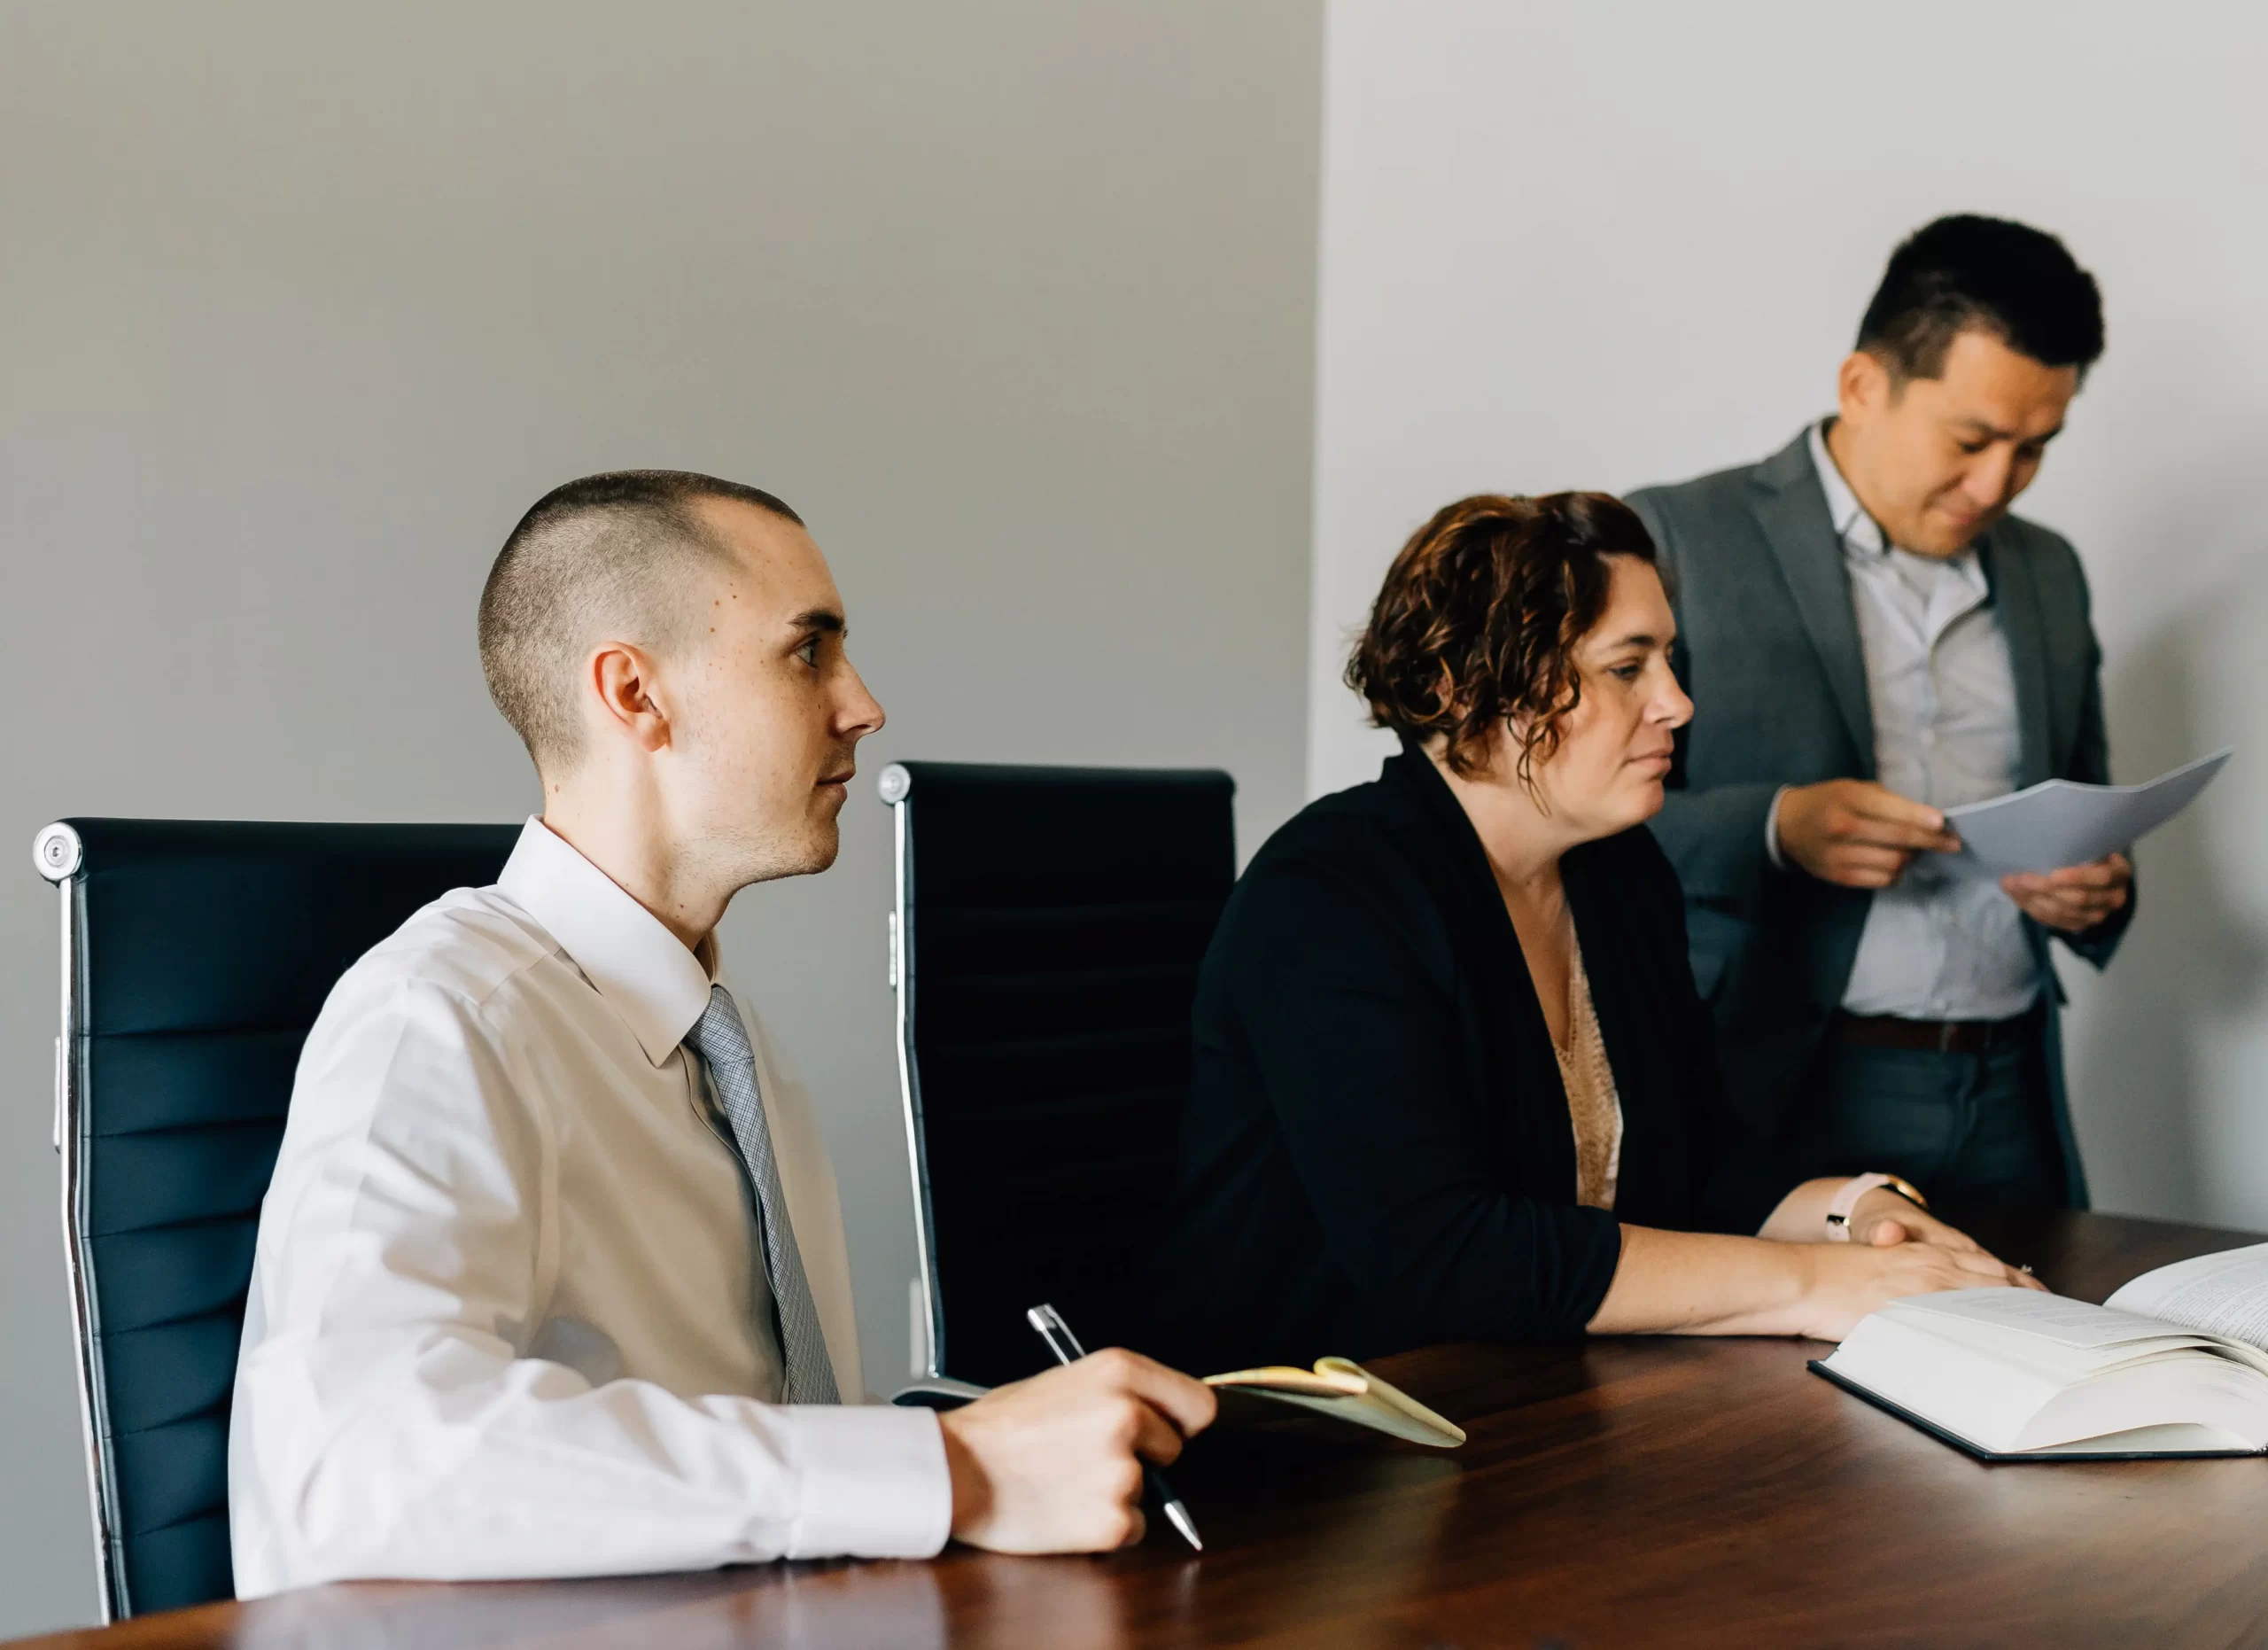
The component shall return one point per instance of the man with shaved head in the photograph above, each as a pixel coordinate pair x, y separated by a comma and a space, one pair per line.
551, 1276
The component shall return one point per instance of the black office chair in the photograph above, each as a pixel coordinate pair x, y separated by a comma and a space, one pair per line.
195, 957
1044, 945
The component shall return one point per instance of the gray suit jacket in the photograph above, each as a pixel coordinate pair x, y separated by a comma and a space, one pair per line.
1768, 648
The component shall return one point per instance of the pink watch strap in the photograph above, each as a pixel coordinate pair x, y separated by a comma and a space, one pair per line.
1838, 1213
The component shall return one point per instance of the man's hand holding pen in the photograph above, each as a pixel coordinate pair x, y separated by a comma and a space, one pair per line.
1054, 1464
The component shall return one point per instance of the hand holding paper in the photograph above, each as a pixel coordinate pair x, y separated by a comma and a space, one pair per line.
2075, 898
1856, 833
2057, 849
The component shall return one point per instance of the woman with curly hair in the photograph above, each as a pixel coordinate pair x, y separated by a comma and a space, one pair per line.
1452, 1079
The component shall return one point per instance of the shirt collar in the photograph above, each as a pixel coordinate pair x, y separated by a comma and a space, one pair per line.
644, 971
1862, 536
1857, 530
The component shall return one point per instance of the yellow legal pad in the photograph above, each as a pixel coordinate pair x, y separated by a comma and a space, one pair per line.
1344, 1390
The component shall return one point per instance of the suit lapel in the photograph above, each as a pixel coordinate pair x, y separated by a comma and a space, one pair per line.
1791, 508
2017, 603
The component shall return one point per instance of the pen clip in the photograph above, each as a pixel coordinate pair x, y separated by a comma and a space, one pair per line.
1052, 1328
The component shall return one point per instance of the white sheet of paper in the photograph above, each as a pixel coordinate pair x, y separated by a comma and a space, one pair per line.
2061, 822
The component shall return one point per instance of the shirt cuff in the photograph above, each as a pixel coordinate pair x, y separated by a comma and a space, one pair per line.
1772, 830
872, 1483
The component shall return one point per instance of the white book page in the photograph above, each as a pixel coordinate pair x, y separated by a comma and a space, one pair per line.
2188, 1387
1997, 1378
1960, 1387
2064, 1341
2060, 1318
2225, 1295
2069, 1366
2179, 1437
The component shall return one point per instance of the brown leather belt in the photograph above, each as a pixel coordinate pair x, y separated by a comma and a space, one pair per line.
1945, 1037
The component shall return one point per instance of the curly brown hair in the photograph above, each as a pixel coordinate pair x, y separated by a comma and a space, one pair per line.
1478, 620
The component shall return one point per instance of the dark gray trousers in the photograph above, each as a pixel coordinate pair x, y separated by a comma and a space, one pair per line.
1974, 1128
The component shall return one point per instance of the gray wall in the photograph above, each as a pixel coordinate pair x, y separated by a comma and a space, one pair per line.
1644, 260
299, 307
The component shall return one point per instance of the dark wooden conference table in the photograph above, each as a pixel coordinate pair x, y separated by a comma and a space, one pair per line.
1636, 1492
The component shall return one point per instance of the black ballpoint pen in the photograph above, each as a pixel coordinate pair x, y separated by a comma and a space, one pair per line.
1065, 1345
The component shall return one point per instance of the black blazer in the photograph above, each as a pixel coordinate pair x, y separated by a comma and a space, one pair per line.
1376, 1152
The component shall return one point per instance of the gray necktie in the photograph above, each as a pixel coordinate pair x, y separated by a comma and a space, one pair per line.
721, 1041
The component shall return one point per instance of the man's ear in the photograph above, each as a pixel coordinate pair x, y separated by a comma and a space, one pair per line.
622, 685
1862, 387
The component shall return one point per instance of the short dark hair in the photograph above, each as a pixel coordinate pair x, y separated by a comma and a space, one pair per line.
596, 553
2017, 283
1478, 619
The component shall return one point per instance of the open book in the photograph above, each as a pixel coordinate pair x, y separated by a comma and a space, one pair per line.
1336, 1388
2173, 1364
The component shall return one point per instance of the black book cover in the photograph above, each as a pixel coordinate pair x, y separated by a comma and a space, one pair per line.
2000, 1457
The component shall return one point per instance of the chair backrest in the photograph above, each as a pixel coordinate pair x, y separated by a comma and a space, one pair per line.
195, 958
1045, 947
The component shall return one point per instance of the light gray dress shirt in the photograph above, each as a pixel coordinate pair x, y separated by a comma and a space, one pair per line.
1944, 697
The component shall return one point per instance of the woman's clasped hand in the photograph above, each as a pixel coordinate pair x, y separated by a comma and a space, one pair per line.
1849, 1280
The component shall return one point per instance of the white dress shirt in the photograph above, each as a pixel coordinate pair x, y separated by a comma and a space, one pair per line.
507, 1312
1943, 694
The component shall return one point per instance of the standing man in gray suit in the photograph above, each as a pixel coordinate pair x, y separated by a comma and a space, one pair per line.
1870, 638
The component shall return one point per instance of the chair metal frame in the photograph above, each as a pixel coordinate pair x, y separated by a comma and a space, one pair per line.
925, 1307
59, 856
926, 1300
